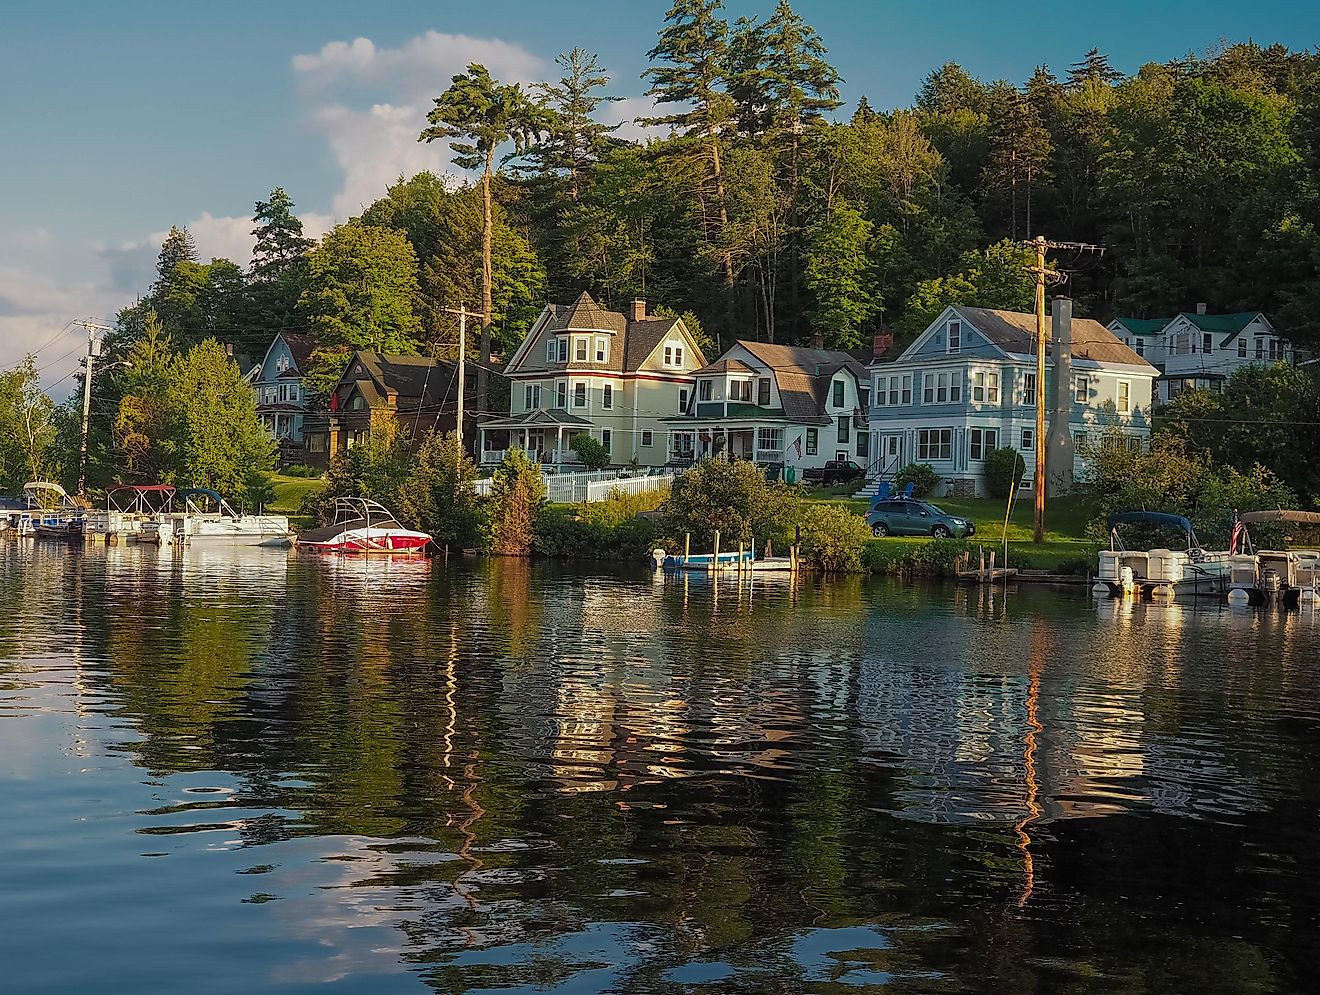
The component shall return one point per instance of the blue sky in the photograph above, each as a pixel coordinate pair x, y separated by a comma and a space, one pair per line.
123, 118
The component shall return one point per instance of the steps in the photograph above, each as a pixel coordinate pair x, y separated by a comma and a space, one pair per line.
870, 490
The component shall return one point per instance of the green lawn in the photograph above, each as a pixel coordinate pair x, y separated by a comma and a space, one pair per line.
289, 492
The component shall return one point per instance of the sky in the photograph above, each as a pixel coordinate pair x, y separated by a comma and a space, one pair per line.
121, 119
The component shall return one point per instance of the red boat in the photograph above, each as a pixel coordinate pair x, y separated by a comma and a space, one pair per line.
362, 526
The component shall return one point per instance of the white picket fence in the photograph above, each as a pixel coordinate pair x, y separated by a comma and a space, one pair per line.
594, 485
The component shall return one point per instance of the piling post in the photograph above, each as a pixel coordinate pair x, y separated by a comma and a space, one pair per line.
687, 546
715, 557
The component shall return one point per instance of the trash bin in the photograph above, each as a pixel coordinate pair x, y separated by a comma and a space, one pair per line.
790, 475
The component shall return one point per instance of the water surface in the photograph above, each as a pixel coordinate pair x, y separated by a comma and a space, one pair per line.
240, 770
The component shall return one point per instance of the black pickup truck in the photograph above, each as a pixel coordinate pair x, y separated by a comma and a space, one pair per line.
833, 472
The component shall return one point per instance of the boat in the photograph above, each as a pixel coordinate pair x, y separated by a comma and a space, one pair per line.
1284, 576
59, 528
208, 517
49, 513
742, 561
138, 513
361, 525
1160, 572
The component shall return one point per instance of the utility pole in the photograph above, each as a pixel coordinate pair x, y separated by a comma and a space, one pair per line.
93, 351
1040, 244
463, 315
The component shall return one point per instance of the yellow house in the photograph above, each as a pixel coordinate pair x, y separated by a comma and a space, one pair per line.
585, 369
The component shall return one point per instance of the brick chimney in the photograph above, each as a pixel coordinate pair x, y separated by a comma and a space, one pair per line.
638, 310
881, 344
818, 341
1200, 307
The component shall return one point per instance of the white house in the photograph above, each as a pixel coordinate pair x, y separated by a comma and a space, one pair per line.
1195, 350
967, 386
586, 369
777, 405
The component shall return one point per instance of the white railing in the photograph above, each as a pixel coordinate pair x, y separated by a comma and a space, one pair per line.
493, 455
595, 485
600, 490
769, 456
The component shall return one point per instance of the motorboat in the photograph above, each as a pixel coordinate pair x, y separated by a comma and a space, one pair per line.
1160, 572
1285, 576
48, 513
208, 517
59, 528
361, 525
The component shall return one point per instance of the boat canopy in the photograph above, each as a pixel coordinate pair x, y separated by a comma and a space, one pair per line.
36, 491
188, 492
133, 498
1282, 517
1150, 518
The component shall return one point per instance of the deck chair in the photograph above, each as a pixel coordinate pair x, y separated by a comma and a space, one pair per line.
883, 493
909, 489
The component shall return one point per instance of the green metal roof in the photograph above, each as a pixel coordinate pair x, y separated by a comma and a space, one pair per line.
1144, 326
1222, 322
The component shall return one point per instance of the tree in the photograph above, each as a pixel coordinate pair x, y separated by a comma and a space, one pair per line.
576, 139
838, 273
783, 83
438, 496
27, 429
994, 278
377, 468
1004, 470
833, 538
279, 268
517, 495
590, 451
480, 116
178, 247
733, 497
140, 429
1020, 151
361, 294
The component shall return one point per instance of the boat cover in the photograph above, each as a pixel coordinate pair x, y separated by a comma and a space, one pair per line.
1288, 517
1149, 518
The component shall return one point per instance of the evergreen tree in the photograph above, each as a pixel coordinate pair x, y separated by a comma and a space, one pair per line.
178, 247
865, 113
281, 248
438, 496
784, 79
1093, 68
576, 139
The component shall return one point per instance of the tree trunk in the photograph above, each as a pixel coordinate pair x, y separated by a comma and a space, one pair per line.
726, 253
487, 267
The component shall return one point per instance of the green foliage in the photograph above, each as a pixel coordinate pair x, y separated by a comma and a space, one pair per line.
377, 468
619, 508
591, 452
301, 470
27, 428
838, 272
517, 497
833, 538
575, 139
921, 475
563, 535
258, 491
279, 270
438, 496
993, 278
1004, 470
926, 558
735, 498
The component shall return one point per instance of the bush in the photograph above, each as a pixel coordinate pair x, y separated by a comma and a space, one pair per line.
562, 535
1004, 470
438, 497
517, 497
936, 558
921, 475
619, 508
735, 498
301, 470
591, 452
258, 491
833, 538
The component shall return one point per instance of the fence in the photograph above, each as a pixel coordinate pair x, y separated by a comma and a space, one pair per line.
594, 485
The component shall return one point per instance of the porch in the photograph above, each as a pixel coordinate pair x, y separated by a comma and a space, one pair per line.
545, 437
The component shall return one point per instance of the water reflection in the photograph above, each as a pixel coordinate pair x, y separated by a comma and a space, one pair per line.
484, 775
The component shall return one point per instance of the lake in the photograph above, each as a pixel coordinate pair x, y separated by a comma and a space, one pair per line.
245, 771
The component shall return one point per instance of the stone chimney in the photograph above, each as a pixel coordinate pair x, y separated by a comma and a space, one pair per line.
638, 310
818, 341
1200, 308
1060, 450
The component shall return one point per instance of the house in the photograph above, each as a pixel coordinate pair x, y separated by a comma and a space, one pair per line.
1195, 350
967, 386
585, 369
421, 393
777, 405
281, 400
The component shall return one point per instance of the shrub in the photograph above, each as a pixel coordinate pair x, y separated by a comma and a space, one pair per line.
438, 497
563, 535
935, 558
619, 507
735, 498
591, 452
517, 497
301, 470
1004, 470
258, 490
921, 475
833, 538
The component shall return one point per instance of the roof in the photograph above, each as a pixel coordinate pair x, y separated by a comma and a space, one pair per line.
1143, 326
585, 315
1222, 322
802, 375
556, 417
1015, 331
300, 347
725, 366
634, 341
419, 379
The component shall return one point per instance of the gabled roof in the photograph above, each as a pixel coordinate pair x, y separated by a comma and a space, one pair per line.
642, 338
585, 315
1143, 326
300, 347
553, 418
632, 342
415, 378
803, 360
724, 366
1222, 322
1015, 332
802, 375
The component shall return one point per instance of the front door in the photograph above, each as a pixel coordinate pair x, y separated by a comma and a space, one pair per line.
891, 452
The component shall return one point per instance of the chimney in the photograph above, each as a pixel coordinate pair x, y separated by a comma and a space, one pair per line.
881, 344
638, 312
818, 341
1060, 450
1200, 308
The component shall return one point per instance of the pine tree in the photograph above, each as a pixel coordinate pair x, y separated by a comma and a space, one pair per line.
280, 245
864, 114
1093, 68
178, 247
576, 139
792, 82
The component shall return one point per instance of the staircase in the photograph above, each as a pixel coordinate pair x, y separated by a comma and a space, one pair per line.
876, 474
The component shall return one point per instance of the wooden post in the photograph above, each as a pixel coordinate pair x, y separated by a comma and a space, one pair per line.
687, 546
740, 557
992, 566
715, 557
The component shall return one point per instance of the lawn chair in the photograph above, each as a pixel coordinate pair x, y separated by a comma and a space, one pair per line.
909, 490
883, 493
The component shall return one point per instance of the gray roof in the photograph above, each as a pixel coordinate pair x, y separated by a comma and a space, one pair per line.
633, 341
725, 366
555, 417
1015, 331
804, 376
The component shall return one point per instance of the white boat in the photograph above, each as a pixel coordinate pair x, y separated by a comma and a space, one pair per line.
1284, 576
1160, 572
208, 517
361, 525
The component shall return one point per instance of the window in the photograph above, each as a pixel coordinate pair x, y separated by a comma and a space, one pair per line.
703, 390
942, 388
982, 442
1029, 389
561, 394
1134, 443
673, 354
579, 350
881, 397
602, 349
1028, 439
579, 395
955, 386
813, 438
607, 439
648, 438
1260, 348
682, 444
316, 443
551, 350
845, 424
1242, 348
934, 444
682, 399
1081, 390
293, 392
1124, 397
763, 392
955, 336
928, 388
740, 390
1140, 346
837, 387
992, 388
770, 440
907, 389
1079, 440
607, 397
1207, 343
358, 403
531, 396
863, 444
1276, 350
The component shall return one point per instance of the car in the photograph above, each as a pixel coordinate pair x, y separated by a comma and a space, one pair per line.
835, 471
903, 517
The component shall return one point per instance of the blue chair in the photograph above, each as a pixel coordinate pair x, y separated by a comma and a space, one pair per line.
883, 493
909, 489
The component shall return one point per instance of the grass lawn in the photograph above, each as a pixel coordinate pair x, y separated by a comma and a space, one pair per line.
289, 492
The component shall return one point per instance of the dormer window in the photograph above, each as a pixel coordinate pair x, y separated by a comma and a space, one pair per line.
358, 403
763, 392
580, 350
703, 390
837, 387
602, 349
740, 390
